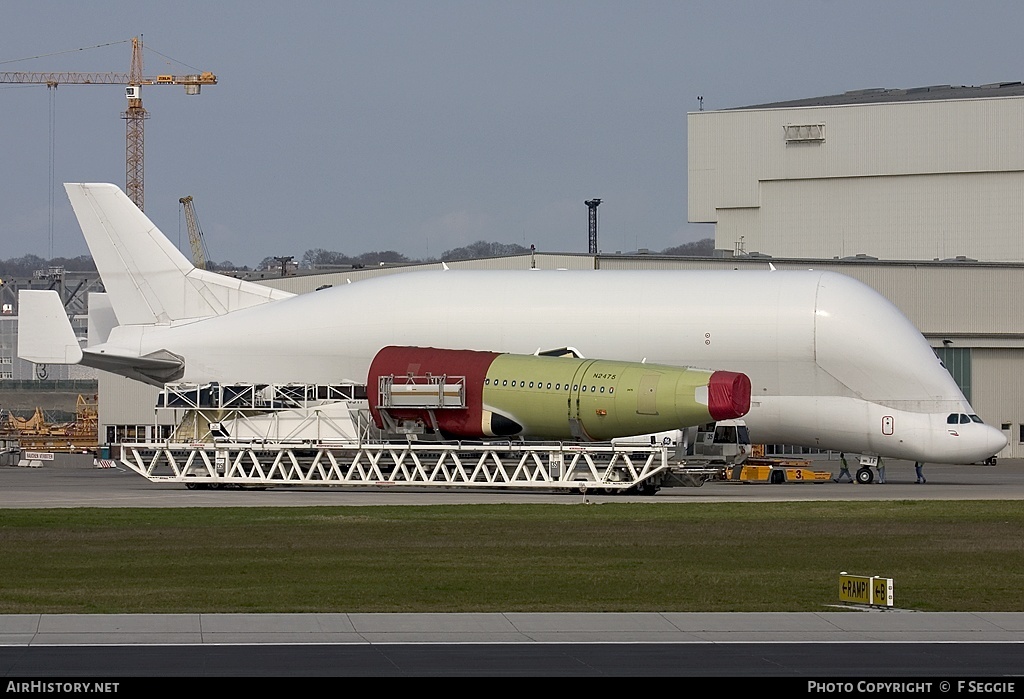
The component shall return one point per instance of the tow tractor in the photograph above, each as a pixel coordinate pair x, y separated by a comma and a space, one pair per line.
728, 441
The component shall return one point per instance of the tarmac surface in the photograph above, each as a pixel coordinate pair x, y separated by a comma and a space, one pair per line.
874, 626
120, 487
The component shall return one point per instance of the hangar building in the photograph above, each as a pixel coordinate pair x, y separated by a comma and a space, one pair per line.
921, 174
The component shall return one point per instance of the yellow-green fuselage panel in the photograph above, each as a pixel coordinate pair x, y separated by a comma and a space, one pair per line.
553, 397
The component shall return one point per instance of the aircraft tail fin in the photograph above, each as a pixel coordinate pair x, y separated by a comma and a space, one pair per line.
45, 335
102, 320
148, 279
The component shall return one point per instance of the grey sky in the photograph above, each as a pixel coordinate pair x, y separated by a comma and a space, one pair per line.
423, 126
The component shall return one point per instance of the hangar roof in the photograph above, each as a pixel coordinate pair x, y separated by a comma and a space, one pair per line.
914, 94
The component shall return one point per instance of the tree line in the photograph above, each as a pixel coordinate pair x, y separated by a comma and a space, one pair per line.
319, 258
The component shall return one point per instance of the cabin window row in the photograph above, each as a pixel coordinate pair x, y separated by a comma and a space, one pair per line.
540, 384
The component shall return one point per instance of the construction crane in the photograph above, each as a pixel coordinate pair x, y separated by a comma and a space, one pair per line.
135, 115
195, 233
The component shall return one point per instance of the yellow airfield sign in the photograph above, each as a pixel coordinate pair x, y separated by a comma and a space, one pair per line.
865, 589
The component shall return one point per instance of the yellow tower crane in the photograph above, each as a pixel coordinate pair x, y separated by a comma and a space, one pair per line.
195, 233
134, 116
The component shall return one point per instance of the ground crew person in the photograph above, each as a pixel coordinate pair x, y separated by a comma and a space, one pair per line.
844, 470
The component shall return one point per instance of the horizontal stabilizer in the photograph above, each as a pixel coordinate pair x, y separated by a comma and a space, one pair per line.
155, 368
44, 331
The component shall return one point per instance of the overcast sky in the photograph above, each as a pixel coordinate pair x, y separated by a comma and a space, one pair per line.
424, 126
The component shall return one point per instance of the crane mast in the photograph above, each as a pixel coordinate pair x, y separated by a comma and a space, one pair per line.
135, 121
195, 233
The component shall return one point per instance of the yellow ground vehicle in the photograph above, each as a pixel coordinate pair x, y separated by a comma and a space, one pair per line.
776, 471
729, 441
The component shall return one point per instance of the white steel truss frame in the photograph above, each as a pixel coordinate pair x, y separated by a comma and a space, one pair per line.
452, 465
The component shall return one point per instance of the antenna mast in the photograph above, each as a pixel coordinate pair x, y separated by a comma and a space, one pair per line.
592, 204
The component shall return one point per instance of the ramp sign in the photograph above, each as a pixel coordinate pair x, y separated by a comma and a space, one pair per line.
865, 589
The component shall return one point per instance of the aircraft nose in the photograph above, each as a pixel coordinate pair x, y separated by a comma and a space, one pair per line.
995, 440
982, 443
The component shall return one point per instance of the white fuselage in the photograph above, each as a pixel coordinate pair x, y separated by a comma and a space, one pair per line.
832, 364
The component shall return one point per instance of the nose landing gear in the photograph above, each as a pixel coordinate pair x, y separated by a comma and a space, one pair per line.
864, 475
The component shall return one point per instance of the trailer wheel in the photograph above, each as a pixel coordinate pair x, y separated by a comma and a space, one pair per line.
645, 488
864, 475
777, 477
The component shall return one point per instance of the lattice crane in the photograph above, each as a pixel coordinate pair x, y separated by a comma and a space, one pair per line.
134, 116
195, 233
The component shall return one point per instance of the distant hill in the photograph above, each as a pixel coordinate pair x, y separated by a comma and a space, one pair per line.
698, 248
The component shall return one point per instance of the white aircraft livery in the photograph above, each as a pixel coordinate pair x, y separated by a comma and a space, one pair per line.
831, 363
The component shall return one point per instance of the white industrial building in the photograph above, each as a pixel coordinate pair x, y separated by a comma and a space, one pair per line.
922, 174
918, 193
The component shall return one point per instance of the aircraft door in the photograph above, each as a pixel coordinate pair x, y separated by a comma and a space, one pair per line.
647, 395
574, 389
577, 426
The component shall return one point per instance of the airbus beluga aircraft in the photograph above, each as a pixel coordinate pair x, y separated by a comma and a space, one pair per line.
831, 363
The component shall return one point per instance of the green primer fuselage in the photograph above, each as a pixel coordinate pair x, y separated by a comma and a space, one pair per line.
564, 398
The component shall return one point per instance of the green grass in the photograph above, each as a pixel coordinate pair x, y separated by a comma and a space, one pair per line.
943, 556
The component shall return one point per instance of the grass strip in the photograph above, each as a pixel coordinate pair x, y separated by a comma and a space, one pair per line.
943, 556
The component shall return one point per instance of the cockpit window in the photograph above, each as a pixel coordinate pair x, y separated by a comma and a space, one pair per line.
964, 419
725, 434
975, 418
952, 419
